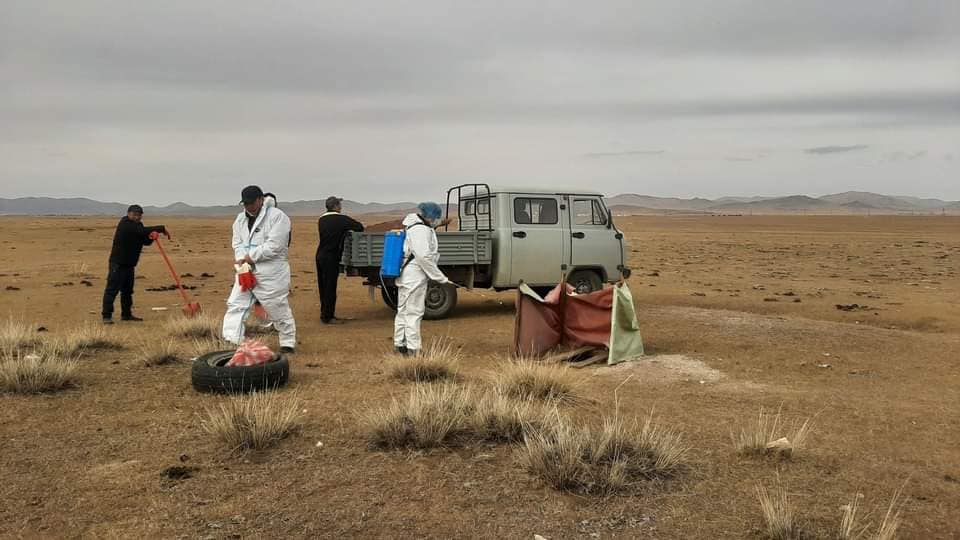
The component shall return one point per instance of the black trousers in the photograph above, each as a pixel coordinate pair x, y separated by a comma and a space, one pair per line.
328, 271
119, 280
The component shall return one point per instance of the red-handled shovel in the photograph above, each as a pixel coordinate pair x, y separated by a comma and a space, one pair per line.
190, 309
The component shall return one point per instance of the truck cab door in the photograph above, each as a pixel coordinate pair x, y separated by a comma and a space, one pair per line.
537, 240
594, 242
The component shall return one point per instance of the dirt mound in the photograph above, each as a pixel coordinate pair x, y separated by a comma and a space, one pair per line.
664, 368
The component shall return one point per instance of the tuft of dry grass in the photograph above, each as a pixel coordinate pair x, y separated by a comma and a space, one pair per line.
852, 529
497, 417
445, 414
432, 415
206, 345
769, 435
47, 369
778, 513
526, 378
91, 338
158, 353
78, 270
203, 326
891, 520
616, 457
16, 336
440, 361
556, 455
849, 521
254, 421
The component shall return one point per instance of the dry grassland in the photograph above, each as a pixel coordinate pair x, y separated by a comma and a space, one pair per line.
853, 322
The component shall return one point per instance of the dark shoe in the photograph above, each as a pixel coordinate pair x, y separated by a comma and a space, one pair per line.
107, 320
400, 350
287, 350
131, 318
333, 321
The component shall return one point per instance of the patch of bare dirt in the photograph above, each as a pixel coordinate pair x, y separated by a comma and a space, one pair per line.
664, 368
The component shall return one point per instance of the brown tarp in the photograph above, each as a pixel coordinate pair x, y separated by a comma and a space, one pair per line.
561, 319
569, 320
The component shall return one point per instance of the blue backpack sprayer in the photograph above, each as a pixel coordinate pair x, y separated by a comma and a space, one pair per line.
393, 261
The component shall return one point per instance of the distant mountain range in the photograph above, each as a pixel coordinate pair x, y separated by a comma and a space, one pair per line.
39, 206
629, 203
837, 203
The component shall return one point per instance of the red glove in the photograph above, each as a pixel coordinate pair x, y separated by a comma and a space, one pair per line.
154, 235
247, 281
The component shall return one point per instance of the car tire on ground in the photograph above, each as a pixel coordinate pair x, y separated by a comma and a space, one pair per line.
585, 281
440, 302
210, 374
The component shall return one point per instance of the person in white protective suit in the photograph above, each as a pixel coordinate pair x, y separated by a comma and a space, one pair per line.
420, 267
261, 235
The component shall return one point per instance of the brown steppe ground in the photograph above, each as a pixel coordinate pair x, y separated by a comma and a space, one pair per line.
736, 312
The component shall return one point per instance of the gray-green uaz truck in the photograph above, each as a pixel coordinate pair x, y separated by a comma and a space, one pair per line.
507, 236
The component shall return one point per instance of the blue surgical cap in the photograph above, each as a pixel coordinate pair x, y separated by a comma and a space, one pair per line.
430, 210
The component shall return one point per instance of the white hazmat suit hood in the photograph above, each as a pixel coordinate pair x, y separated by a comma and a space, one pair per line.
421, 244
266, 242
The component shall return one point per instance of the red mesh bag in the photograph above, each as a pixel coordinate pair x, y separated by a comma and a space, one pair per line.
251, 352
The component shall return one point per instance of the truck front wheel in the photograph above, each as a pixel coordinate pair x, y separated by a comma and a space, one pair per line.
585, 281
440, 301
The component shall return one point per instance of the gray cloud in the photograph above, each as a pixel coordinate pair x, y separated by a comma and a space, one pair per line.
836, 149
909, 156
627, 153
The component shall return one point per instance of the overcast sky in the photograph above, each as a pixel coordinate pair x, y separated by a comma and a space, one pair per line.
168, 101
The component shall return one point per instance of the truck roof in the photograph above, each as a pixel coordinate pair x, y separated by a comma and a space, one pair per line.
468, 193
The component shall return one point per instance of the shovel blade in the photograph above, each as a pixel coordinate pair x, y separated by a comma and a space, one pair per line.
191, 309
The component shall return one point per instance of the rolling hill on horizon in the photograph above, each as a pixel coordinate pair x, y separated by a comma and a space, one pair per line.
849, 201
627, 203
31, 206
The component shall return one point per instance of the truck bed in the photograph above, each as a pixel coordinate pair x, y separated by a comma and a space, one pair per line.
457, 248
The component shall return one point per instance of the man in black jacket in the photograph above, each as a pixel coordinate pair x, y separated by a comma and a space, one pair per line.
333, 228
128, 242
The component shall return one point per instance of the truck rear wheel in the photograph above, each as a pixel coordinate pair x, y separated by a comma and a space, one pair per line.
440, 301
585, 281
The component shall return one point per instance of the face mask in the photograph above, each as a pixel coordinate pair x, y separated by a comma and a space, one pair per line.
270, 202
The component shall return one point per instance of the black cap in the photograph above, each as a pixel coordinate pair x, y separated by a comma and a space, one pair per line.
332, 202
250, 194
135, 208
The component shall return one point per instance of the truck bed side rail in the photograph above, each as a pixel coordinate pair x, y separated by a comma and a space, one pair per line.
457, 248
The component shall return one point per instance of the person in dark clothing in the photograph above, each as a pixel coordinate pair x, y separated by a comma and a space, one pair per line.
333, 227
128, 242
